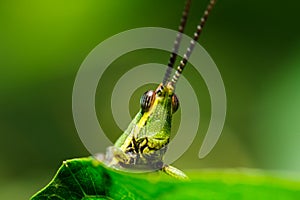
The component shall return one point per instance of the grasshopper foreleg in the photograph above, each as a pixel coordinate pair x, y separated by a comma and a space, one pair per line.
174, 172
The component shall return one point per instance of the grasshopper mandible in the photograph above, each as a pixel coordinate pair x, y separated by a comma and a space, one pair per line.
144, 142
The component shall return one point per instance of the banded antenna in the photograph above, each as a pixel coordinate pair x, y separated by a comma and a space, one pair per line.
177, 41
192, 43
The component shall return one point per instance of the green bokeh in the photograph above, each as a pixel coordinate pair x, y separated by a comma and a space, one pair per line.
255, 44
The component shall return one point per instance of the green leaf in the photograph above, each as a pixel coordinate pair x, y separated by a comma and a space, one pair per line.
87, 178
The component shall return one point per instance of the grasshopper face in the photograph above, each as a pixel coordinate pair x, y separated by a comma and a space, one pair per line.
156, 114
144, 142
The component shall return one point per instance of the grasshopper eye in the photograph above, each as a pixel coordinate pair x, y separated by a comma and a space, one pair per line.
147, 100
175, 103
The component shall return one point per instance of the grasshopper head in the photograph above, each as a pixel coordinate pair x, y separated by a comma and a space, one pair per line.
157, 108
154, 119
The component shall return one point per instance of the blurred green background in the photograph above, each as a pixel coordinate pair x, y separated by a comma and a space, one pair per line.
255, 44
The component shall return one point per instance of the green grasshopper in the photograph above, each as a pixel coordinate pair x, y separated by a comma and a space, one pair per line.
144, 142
